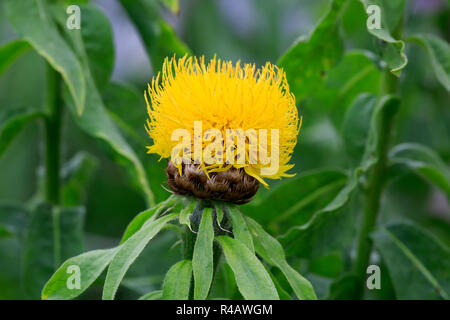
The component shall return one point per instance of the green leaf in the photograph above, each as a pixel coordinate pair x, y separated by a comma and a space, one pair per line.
252, 279
439, 52
95, 36
10, 52
280, 290
159, 38
272, 251
307, 62
330, 228
125, 107
186, 213
357, 72
356, 126
76, 175
96, 122
11, 123
173, 5
129, 251
154, 295
150, 214
424, 162
294, 201
13, 220
384, 110
53, 235
240, 229
202, 260
418, 264
178, 281
33, 22
91, 264
391, 12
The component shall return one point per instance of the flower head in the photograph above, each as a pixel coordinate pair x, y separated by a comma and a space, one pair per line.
223, 97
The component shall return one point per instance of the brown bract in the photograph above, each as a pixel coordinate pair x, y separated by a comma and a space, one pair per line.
233, 185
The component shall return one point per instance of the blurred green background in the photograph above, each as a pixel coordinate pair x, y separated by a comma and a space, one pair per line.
252, 31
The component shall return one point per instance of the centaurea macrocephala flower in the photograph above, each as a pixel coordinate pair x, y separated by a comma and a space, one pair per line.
222, 97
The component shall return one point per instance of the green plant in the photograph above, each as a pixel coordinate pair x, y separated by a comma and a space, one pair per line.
356, 207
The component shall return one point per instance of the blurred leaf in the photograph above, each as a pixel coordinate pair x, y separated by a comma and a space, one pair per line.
307, 62
173, 5
33, 21
128, 252
10, 52
140, 219
417, 263
439, 52
96, 121
11, 123
13, 220
345, 287
240, 228
391, 12
272, 251
424, 162
357, 72
154, 295
159, 38
383, 112
252, 279
76, 175
327, 230
91, 265
202, 260
330, 265
53, 235
178, 281
95, 37
356, 126
126, 108
295, 200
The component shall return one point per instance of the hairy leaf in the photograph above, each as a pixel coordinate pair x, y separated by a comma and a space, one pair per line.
178, 281
252, 279
91, 264
149, 214
418, 264
272, 251
202, 260
240, 229
128, 252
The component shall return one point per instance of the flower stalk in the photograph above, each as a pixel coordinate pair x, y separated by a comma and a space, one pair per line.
53, 135
377, 180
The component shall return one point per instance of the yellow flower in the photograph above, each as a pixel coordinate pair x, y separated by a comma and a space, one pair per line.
223, 96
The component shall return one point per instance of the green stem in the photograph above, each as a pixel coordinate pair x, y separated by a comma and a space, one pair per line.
53, 135
376, 183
